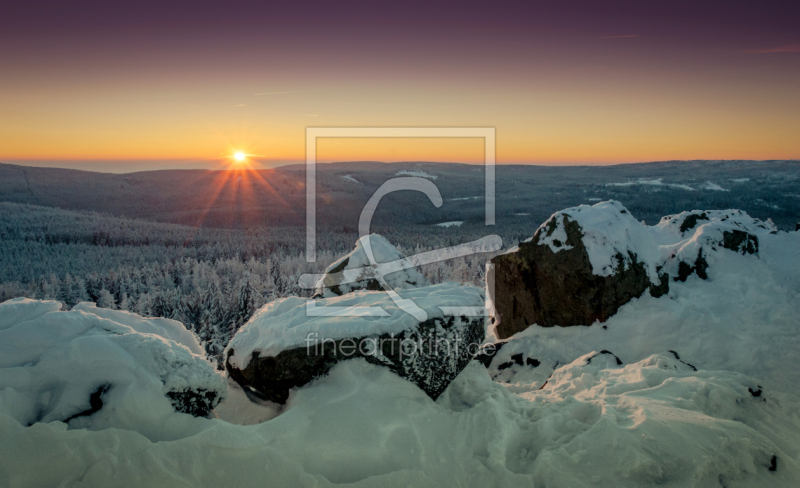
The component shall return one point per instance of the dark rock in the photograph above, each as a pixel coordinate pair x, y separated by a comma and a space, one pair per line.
773, 463
95, 403
604, 351
797, 227
532, 362
690, 222
517, 358
198, 403
431, 367
740, 241
681, 360
700, 267
535, 285
755, 393
505, 365
488, 352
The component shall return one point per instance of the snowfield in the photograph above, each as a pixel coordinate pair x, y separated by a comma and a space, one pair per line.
695, 388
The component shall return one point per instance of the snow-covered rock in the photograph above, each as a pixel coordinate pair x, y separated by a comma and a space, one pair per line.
585, 262
352, 272
291, 341
690, 241
580, 266
96, 368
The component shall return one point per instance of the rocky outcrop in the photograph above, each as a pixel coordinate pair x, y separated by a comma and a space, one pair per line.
429, 354
353, 272
693, 238
585, 262
537, 285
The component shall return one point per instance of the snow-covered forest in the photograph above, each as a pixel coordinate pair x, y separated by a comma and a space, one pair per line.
211, 280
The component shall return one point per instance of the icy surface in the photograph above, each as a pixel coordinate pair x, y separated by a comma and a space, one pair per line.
287, 323
52, 363
357, 277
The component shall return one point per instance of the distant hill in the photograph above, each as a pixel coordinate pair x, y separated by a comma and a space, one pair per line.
525, 194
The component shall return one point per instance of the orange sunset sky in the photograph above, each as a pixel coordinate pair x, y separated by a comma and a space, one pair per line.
574, 83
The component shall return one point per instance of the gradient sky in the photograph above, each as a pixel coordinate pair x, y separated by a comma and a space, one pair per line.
109, 86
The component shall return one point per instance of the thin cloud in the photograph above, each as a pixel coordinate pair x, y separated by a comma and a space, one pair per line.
615, 37
791, 48
279, 92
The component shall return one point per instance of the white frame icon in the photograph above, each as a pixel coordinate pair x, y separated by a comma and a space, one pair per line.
313, 133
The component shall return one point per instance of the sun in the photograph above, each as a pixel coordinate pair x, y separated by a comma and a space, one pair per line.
239, 156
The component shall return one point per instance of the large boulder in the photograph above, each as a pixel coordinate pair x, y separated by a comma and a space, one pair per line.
690, 241
96, 368
294, 340
586, 262
352, 272
580, 266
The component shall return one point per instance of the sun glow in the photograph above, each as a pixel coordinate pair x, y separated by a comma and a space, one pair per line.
239, 156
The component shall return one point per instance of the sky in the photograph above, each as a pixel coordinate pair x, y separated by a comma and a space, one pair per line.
121, 86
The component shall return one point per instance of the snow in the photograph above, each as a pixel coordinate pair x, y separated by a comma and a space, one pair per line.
355, 272
415, 172
454, 223
350, 179
465, 198
287, 323
609, 231
719, 411
708, 185
653, 182
52, 362
740, 180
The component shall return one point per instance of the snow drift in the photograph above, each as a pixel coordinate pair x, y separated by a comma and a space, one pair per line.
95, 368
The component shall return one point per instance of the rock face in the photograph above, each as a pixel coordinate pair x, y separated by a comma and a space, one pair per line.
586, 262
537, 285
351, 272
430, 354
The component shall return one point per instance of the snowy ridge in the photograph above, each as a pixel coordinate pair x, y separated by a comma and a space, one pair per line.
286, 323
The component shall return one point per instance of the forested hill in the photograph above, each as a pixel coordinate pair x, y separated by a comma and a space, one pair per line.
276, 197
